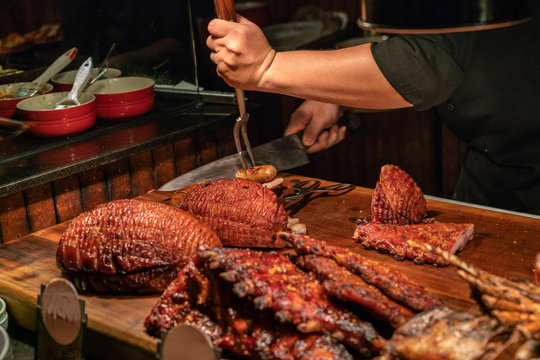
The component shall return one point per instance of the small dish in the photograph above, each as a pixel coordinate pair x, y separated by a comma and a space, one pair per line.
8, 105
50, 122
123, 97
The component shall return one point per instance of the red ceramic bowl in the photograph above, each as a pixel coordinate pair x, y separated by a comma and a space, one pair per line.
49, 122
8, 105
123, 97
64, 81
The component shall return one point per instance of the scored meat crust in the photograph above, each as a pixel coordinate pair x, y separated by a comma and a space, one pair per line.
130, 245
243, 213
397, 199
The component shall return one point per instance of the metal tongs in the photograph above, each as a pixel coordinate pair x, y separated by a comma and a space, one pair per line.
225, 10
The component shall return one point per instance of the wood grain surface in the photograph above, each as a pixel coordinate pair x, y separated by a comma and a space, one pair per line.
504, 244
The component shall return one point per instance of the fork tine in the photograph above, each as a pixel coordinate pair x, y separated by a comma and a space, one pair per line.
237, 142
243, 129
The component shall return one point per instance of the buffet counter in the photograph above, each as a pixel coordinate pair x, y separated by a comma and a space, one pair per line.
504, 244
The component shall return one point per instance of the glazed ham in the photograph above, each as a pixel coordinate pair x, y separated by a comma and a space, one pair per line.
130, 245
393, 239
243, 213
397, 198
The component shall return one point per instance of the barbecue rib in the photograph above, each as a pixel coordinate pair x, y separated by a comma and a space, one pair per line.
443, 333
191, 296
397, 199
393, 239
241, 212
130, 245
273, 282
395, 285
346, 286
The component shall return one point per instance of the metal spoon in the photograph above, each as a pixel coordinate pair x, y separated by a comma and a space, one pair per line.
72, 99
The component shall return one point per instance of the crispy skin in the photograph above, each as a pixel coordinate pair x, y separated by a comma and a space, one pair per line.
273, 282
443, 333
393, 239
346, 286
194, 299
397, 199
395, 285
176, 305
243, 213
130, 245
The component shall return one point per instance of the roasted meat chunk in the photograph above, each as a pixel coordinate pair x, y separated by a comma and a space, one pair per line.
271, 281
397, 199
393, 239
392, 283
444, 333
243, 213
130, 245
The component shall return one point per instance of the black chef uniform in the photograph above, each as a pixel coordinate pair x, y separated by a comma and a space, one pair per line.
486, 86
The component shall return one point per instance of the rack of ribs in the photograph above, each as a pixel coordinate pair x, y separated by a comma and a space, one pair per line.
231, 324
130, 246
271, 281
397, 199
392, 239
243, 213
393, 284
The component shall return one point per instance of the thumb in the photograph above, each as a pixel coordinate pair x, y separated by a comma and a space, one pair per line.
298, 121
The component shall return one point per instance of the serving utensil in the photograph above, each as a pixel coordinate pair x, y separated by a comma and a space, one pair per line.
81, 79
57, 66
105, 63
225, 10
20, 126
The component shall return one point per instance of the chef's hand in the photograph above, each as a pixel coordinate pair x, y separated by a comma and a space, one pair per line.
319, 122
240, 51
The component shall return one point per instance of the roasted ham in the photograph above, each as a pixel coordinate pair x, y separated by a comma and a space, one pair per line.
393, 239
130, 245
243, 213
397, 199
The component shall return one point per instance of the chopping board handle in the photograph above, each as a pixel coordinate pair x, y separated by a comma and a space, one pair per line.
225, 9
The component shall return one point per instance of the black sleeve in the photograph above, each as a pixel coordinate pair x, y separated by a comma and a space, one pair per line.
424, 69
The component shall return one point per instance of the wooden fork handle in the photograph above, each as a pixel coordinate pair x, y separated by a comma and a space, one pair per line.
225, 9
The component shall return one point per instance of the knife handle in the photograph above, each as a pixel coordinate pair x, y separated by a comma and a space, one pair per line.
225, 9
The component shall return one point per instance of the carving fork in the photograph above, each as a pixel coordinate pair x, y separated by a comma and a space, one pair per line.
225, 10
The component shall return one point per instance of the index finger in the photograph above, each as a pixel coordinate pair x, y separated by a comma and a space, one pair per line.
220, 28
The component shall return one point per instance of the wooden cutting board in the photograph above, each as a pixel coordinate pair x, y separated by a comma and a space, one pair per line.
504, 244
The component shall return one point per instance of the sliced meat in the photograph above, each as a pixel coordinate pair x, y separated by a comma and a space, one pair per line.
241, 212
342, 283
393, 239
392, 283
397, 199
130, 245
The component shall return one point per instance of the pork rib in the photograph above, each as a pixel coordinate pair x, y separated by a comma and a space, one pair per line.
393, 239
130, 245
392, 283
273, 282
243, 213
397, 199
346, 286
194, 299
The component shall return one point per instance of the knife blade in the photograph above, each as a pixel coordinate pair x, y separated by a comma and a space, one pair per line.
284, 153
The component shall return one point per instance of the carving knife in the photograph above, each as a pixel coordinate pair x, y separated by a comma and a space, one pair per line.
284, 153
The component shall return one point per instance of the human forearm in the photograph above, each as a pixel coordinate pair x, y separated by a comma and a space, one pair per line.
348, 77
